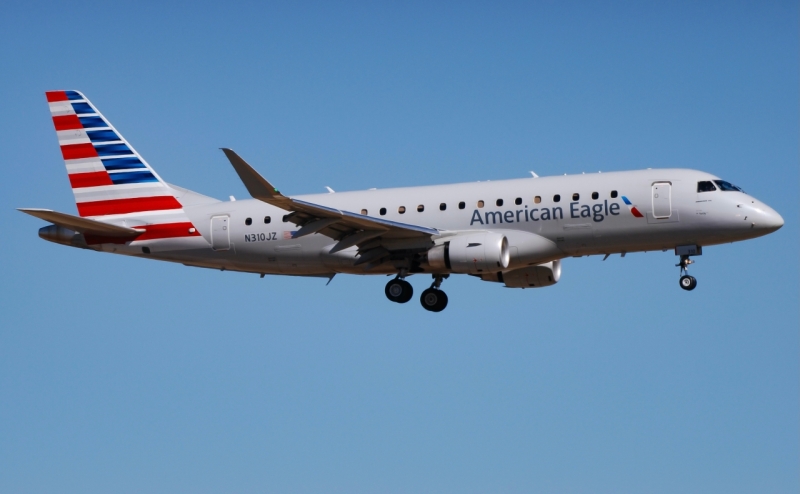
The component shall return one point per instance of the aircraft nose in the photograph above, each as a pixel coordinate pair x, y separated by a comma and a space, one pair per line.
774, 220
769, 219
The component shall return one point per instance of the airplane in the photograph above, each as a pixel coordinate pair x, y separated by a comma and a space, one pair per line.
511, 232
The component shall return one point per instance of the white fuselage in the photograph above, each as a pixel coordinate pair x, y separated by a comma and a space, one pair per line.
589, 217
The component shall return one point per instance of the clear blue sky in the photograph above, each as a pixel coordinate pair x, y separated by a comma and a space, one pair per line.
127, 375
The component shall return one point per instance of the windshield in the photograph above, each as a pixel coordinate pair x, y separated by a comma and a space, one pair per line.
705, 186
727, 186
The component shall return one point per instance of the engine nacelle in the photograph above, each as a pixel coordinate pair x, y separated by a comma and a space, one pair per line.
531, 277
534, 276
471, 253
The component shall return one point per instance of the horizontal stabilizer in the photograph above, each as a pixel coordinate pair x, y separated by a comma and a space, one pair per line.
82, 225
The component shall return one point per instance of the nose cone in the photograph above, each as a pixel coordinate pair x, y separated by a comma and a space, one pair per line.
768, 220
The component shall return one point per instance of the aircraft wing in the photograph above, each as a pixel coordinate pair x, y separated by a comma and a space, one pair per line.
347, 227
82, 225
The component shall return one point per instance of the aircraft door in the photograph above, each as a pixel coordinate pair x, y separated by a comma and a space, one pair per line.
662, 200
220, 233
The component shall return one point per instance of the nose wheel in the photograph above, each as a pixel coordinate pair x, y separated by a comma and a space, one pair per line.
686, 282
434, 299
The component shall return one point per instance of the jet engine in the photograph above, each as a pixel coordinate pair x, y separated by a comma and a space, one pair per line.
531, 277
471, 253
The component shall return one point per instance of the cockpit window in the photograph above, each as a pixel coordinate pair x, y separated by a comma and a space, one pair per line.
705, 187
727, 186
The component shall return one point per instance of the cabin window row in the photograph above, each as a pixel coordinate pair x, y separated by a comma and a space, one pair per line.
461, 205
267, 220
498, 202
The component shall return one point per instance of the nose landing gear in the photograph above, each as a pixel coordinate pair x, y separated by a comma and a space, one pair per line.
434, 299
686, 282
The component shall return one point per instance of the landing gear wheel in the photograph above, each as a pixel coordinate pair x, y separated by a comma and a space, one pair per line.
399, 291
433, 300
688, 282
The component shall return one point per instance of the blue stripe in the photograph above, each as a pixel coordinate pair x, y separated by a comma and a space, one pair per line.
626, 201
73, 95
92, 122
132, 177
103, 136
82, 108
122, 163
112, 150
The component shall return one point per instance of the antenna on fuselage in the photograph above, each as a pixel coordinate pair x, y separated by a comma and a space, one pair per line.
330, 191
534, 175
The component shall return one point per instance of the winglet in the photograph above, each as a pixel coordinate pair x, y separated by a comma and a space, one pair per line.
257, 186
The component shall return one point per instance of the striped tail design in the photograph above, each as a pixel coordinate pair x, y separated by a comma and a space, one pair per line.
109, 178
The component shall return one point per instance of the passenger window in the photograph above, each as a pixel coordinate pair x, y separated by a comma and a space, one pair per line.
442, 206
595, 195
401, 209
480, 204
267, 220
462, 205
383, 211
537, 199
420, 208
499, 202
248, 221
705, 186
613, 194
518, 201
576, 196
727, 186
556, 198
364, 212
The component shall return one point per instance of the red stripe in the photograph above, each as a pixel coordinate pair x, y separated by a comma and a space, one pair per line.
132, 205
636, 212
91, 179
56, 96
153, 232
167, 230
77, 151
67, 122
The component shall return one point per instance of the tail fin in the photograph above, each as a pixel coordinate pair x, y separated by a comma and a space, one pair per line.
111, 181
107, 175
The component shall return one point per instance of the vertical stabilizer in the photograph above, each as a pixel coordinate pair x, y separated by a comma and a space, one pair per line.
110, 180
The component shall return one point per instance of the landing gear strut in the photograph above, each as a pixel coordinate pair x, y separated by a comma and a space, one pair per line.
399, 290
434, 299
687, 282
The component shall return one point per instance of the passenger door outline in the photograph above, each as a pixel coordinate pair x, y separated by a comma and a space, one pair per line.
662, 200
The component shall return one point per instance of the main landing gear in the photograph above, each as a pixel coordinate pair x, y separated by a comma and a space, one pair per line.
432, 299
399, 290
687, 282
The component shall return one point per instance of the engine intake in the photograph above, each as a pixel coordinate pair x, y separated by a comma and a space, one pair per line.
471, 253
